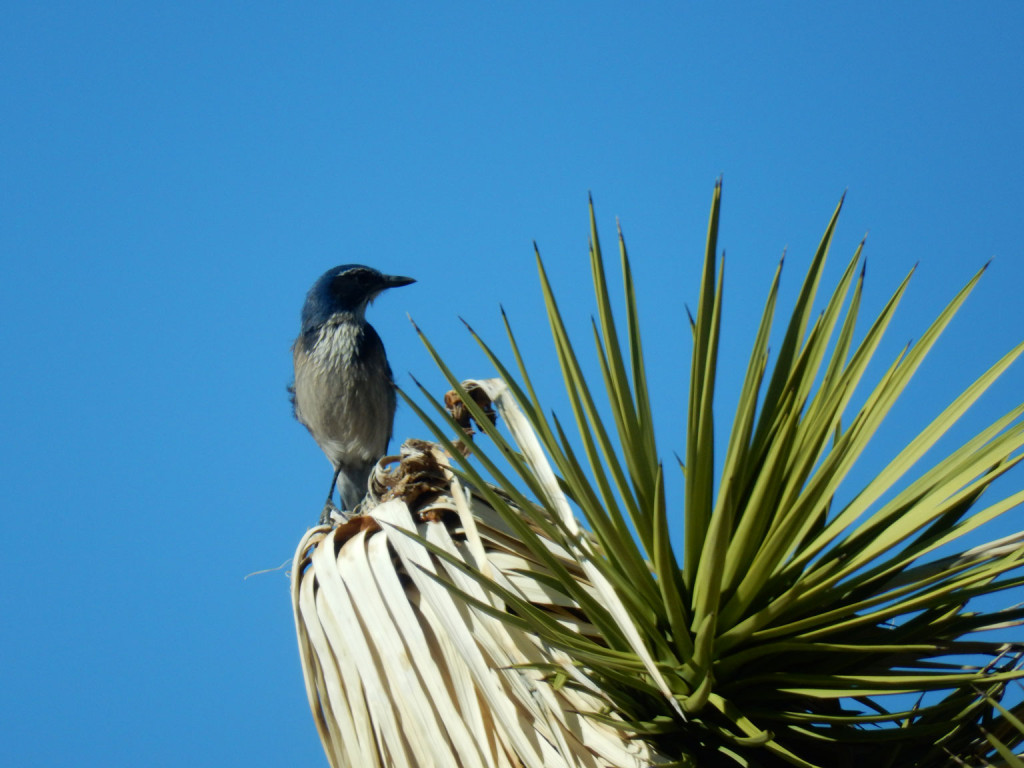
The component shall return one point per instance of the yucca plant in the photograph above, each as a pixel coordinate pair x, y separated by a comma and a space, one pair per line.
1004, 756
471, 619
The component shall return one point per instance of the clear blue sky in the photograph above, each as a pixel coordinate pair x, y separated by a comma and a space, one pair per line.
175, 175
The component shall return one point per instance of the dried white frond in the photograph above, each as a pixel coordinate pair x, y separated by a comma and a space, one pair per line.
402, 671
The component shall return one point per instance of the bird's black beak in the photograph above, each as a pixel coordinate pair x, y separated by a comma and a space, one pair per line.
396, 281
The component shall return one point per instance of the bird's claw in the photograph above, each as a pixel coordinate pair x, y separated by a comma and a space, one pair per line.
331, 515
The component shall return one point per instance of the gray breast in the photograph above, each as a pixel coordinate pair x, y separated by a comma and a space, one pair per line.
343, 391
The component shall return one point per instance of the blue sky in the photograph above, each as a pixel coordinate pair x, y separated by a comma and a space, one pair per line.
175, 176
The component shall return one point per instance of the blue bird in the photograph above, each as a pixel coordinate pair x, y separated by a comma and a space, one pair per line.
343, 391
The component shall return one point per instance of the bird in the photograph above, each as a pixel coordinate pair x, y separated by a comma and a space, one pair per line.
343, 391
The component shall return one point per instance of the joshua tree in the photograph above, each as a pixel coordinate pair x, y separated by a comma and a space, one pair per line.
515, 599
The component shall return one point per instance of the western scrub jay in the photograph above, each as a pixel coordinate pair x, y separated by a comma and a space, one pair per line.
343, 391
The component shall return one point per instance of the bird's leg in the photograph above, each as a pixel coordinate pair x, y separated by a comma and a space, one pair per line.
329, 507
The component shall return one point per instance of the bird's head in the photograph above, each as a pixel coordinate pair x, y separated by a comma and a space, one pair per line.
348, 288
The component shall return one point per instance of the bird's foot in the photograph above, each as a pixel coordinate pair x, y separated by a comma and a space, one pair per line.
331, 515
